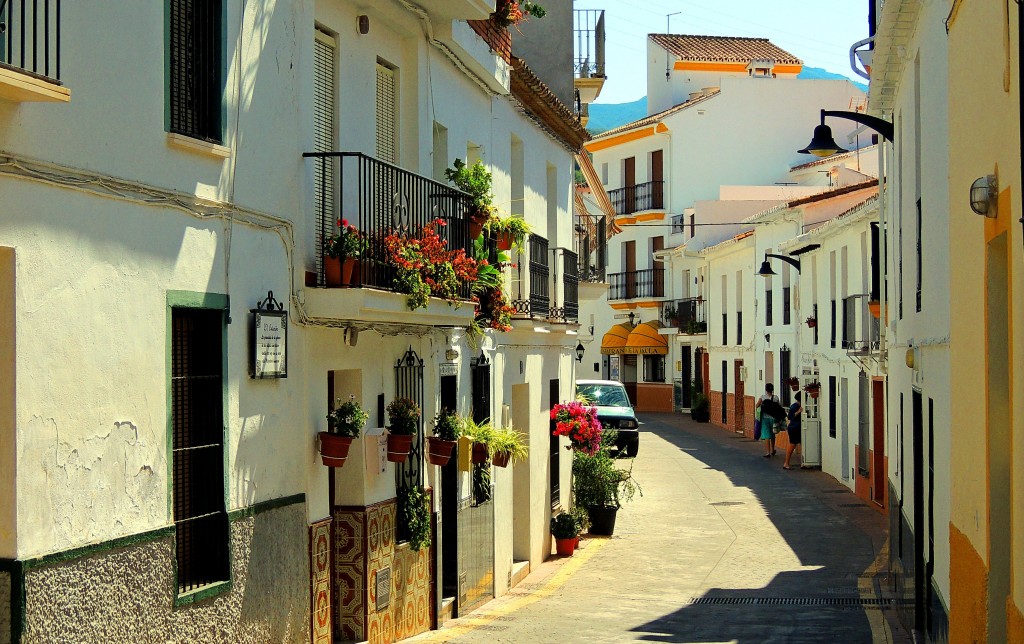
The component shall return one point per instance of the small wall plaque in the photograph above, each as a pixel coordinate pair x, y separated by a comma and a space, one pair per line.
449, 369
383, 588
268, 339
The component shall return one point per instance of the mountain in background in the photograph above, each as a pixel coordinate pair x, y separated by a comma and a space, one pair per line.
605, 116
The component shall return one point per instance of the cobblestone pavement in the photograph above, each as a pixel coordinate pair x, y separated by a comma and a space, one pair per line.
724, 546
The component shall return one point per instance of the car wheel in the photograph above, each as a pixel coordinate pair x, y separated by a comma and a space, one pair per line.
632, 448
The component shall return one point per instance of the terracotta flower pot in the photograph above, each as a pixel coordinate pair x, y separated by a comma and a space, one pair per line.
332, 271
813, 391
480, 453
566, 547
505, 241
334, 448
476, 227
875, 308
439, 451
812, 323
500, 459
347, 268
399, 446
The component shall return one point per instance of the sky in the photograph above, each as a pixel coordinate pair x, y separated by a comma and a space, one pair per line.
819, 32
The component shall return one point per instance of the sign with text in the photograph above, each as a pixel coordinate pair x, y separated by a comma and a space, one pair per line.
269, 358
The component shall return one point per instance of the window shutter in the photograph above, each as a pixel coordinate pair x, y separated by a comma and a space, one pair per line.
387, 117
324, 109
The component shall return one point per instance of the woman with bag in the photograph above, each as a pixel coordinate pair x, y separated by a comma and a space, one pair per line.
770, 409
795, 412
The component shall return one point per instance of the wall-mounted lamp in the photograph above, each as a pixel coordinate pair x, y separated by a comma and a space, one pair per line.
766, 269
768, 338
579, 352
823, 145
363, 23
984, 192
631, 317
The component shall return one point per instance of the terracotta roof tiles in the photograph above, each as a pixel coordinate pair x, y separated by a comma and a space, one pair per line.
723, 49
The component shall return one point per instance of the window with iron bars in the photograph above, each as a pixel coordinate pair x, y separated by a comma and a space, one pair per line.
196, 92
197, 447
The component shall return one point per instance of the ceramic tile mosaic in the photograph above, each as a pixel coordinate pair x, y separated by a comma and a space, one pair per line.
320, 580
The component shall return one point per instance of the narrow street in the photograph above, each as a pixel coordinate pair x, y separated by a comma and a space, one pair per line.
724, 546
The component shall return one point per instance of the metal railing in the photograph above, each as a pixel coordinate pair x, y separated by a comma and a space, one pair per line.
566, 261
861, 333
379, 198
30, 37
686, 315
535, 302
633, 284
645, 196
589, 37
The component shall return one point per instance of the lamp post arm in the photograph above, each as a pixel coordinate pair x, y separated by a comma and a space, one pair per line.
789, 260
883, 127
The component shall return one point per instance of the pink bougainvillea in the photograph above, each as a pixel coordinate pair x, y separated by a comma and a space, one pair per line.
580, 424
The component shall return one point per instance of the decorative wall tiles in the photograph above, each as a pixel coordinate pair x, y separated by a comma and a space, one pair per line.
320, 579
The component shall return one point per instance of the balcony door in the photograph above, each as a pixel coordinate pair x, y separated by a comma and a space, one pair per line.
629, 183
657, 179
629, 257
324, 138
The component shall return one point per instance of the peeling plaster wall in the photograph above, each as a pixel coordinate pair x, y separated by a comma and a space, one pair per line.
125, 595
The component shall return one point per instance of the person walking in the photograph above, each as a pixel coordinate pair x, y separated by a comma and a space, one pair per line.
796, 411
770, 407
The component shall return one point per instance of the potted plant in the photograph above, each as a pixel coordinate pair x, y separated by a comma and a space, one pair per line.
474, 180
794, 383
447, 429
414, 516
566, 532
811, 322
508, 232
601, 487
425, 266
343, 250
579, 422
481, 434
509, 13
344, 423
404, 415
507, 446
813, 389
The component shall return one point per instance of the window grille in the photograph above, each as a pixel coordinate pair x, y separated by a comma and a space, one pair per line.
197, 450
196, 68
409, 384
554, 450
768, 307
387, 114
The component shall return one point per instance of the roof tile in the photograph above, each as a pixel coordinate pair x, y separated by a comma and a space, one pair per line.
723, 49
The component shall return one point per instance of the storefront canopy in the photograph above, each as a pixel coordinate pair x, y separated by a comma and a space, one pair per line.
637, 340
614, 341
645, 339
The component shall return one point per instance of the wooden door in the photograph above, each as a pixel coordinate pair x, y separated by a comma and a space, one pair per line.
629, 252
878, 473
657, 179
738, 406
629, 183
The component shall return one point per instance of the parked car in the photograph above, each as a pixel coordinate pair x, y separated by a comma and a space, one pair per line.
613, 410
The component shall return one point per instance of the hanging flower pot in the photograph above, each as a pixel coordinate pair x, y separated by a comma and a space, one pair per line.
813, 390
811, 323
476, 226
794, 384
399, 446
334, 449
566, 547
480, 453
332, 271
439, 451
500, 459
347, 269
876, 309
505, 241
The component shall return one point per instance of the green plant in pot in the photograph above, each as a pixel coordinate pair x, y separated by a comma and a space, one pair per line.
474, 180
344, 423
414, 517
565, 529
601, 487
447, 430
507, 446
404, 417
700, 407
508, 232
481, 434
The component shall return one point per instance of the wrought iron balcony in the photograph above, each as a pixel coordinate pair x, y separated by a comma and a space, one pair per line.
589, 37
678, 224
687, 316
30, 34
379, 198
566, 262
634, 284
861, 334
645, 196
535, 302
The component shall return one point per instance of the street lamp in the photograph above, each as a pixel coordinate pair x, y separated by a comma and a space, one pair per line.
766, 269
579, 352
823, 145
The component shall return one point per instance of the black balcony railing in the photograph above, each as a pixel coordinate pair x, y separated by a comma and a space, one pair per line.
861, 333
30, 37
589, 36
379, 198
633, 284
646, 196
685, 315
536, 302
569, 311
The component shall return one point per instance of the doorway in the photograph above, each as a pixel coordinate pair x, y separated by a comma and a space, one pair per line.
687, 371
844, 426
879, 476
917, 442
738, 402
450, 509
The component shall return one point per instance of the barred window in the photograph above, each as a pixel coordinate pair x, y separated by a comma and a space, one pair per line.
196, 40
197, 457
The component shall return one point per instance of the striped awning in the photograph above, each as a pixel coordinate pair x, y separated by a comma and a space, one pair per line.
614, 341
644, 339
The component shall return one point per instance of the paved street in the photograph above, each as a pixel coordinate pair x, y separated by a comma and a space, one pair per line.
724, 546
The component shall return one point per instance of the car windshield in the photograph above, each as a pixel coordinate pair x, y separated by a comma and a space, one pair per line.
604, 395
